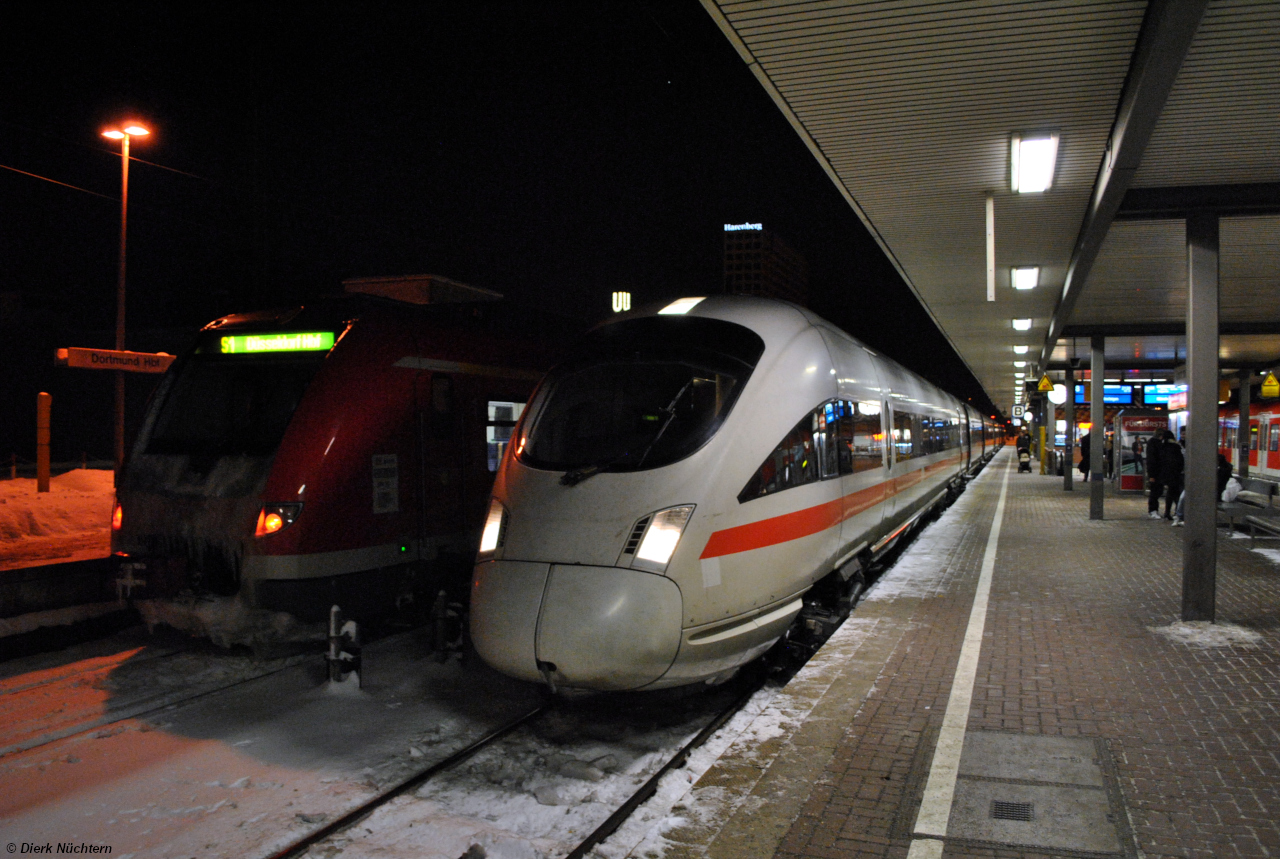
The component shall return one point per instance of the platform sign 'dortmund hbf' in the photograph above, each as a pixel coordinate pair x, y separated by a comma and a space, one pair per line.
113, 359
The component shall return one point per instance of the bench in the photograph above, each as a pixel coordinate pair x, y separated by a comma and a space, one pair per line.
1260, 493
1268, 525
1255, 498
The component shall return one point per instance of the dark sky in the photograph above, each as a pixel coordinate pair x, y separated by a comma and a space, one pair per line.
553, 152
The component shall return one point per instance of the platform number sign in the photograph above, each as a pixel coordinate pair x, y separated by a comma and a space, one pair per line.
386, 483
1018, 410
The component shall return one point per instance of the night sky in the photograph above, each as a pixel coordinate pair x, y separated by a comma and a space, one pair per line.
553, 152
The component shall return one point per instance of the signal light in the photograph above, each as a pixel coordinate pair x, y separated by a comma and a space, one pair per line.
276, 517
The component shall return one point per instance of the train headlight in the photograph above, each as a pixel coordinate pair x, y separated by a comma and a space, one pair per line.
276, 517
495, 530
117, 516
661, 537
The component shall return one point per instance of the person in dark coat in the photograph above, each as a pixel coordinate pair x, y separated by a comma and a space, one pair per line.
1155, 485
1085, 442
1224, 473
1171, 465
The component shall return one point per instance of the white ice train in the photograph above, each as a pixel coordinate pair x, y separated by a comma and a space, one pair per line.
680, 483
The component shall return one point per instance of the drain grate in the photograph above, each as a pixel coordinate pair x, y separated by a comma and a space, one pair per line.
1002, 810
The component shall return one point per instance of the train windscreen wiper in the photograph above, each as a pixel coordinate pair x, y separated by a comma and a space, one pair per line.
577, 475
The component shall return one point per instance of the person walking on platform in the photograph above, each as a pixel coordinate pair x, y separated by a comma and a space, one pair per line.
1085, 442
1170, 473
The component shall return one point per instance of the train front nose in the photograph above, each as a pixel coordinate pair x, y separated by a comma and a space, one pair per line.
591, 627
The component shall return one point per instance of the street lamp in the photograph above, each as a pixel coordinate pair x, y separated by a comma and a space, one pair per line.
123, 135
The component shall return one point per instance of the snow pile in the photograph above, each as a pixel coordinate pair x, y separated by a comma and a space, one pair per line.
228, 621
72, 519
1272, 555
1203, 634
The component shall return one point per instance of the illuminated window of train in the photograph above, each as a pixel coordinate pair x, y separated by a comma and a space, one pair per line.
1253, 436
501, 420
905, 433
1275, 438
231, 405
640, 394
805, 455
861, 439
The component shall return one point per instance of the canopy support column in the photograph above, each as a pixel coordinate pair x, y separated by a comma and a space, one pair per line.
1200, 537
1098, 419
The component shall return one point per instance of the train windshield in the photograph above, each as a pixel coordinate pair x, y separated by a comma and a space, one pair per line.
639, 394
231, 405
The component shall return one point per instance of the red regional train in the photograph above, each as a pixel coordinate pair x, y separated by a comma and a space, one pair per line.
337, 453
1264, 439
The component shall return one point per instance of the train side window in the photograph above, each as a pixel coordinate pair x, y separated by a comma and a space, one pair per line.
1253, 436
441, 407
1275, 438
905, 432
861, 438
501, 419
805, 455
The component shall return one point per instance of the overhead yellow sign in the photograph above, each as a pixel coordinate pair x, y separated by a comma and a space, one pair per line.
1270, 387
1046, 384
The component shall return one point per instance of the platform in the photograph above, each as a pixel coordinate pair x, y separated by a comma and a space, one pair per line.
1082, 720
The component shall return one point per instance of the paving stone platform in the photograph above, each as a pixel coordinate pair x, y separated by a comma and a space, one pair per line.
1092, 731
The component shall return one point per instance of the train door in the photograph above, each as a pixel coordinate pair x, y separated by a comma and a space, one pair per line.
964, 439
442, 459
1273, 444
1253, 443
860, 444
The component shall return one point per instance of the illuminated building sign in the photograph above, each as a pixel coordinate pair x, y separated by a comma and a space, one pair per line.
305, 341
621, 302
733, 228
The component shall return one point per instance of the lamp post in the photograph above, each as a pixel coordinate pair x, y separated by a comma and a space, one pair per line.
123, 135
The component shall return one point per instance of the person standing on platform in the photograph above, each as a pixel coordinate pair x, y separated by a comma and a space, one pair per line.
1171, 465
1085, 442
1108, 448
1137, 455
1155, 486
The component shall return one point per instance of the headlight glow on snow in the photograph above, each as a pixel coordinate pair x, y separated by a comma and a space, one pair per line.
491, 538
661, 537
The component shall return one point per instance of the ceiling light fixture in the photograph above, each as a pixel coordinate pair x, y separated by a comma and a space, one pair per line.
1031, 162
1020, 350
1025, 277
1022, 325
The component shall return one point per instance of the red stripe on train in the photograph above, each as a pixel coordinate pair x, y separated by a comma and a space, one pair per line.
811, 520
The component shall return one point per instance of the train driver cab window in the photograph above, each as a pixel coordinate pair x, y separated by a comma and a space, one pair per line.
808, 453
500, 420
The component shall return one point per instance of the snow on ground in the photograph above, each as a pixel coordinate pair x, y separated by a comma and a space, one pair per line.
1203, 634
922, 568
239, 772
70, 522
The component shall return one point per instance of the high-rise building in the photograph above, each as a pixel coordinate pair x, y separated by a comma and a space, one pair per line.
759, 262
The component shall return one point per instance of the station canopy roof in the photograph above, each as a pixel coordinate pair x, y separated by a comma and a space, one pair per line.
1160, 110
